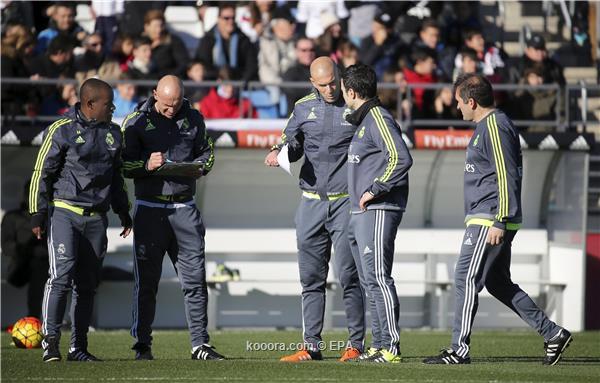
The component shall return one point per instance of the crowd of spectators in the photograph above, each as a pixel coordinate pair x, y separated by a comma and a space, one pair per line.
267, 41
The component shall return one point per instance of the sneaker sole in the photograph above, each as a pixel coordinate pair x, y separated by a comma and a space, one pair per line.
567, 343
53, 359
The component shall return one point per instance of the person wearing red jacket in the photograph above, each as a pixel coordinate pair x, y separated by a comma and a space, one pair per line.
223, 101
423, 71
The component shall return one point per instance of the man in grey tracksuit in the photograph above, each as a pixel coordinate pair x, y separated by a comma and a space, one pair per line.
492, 188
76, 178
378, 164
165, 128
317, 130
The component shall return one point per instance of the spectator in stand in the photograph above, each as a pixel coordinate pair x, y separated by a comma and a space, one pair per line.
16, 51
429, 37
208, 14
536, 54
535, 104
300, 71
346, 54
94, 63
169, 53
124, 97
253, 18
123, 50
225, 46
492, 59
381, 49
142, 66
57, 61
389, 97
62, 22
310, 11
68, 97
195, 73
132, 22
469, 64
327, 42
105, 13
445, 105
422, 71
277, 52
223, 101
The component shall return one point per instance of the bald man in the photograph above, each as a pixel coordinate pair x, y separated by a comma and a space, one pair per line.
165, 128
76, 179
317, 130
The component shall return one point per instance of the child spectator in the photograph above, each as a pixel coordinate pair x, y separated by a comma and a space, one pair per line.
223, 101
123, 51
168, 51
492, 59
125, 99
422, 71
195, 73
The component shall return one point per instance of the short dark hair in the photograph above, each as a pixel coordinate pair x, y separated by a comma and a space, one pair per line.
429, 23
60, 44
143, 40
92, 88
475, 86
361, 79
469, 33
470, 53
225, 5
422, 54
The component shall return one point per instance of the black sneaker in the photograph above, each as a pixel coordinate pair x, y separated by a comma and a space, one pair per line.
51, 351
206, 352
556, 346
447, 356
142, 352
81, 356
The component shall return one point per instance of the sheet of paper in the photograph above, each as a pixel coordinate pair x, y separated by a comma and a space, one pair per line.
179, 168
284, 160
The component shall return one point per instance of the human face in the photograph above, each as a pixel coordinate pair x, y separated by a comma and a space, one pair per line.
64, 18
476, 42
327, 83
348, 98
226, 22
196, 73
534, 79
537, 55
94, 44
143, 53
425, 67
466, 108
169, 105
126, 91
469, 65
283, 30
102, 108
430, 37
305, 52
154, 29
127, 47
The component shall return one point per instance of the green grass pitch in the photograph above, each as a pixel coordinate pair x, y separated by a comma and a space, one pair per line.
506, 356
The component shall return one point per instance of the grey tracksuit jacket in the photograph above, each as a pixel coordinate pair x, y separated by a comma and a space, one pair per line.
310, 131
493, 172
183, 139
79, 162
378, 159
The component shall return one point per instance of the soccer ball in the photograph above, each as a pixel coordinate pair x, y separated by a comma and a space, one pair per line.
27, 333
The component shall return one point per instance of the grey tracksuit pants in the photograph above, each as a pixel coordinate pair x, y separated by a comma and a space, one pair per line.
177, 229
76, 249
372, 234
479, 265
319, 224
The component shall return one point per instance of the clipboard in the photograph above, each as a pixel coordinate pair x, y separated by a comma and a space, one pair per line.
179, 169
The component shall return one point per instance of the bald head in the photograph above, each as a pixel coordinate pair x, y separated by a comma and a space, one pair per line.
96, 100
168, 95
324, 77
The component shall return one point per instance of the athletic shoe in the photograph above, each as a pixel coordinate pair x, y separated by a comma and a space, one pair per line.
350, 354
221, 274
366, 355
302, 356
142, 352
556, 346
383, 356
206, 352
447, 356
81, 356
51, 351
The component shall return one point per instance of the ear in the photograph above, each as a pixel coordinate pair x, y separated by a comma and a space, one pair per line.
154, 93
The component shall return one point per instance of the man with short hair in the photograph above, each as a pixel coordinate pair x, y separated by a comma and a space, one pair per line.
165, 128
317, 129
76, 178
492, 188
537, 54
62, 22
378, 164
300, 71
225, 45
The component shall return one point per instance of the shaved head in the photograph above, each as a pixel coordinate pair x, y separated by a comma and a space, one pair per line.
324, 77
96, 100
168, 95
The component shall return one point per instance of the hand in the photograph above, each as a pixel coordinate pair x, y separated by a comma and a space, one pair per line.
495, 236
271, 158
37, 232
366, 198
156, 160
127, 224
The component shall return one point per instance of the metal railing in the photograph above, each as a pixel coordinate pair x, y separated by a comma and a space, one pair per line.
403, 93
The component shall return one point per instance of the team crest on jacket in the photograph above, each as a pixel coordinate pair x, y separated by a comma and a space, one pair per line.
110, 140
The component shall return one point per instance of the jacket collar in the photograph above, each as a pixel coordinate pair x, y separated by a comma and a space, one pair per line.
356, 117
